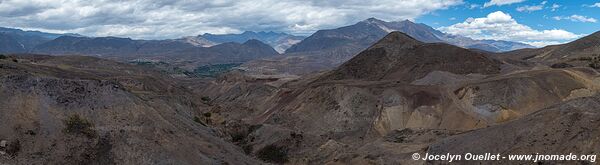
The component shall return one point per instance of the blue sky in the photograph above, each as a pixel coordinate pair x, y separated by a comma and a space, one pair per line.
540, 19
577, 17
530, 21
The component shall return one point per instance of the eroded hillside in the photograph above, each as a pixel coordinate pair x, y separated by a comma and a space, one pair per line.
83, 110
397, 98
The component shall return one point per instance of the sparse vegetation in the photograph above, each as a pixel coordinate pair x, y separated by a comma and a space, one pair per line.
595, 65
595, 62
207, 114
77, 125
273, 154
202, 71
198, 120
214, 70
13, 148
561, 65
585, 58
205, 99
238, 137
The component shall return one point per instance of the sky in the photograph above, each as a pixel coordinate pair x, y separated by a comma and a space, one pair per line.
534, 22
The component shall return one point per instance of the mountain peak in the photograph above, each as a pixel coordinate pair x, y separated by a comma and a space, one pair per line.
407, 21
395, 39
254, 42
399, 56
373, 20
248, 32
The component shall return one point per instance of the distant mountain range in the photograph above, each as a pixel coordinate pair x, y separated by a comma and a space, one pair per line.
367, 32
326, 49
20, 41
279, 41
173, 51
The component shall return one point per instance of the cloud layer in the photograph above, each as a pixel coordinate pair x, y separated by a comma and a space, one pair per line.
501, 26
575, 18
528, 8
175, 18
501, 2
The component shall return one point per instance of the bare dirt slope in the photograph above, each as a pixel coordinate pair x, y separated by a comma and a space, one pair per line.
375, 109
570, 127
83, 110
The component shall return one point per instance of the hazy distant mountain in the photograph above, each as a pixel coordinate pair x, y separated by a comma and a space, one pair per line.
106, 46
367, 32
197, 41
487, 45
326, 49
19, 41
9, 44
279, 41
164, 50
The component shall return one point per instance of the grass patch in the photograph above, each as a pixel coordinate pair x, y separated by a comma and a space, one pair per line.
198, 120
561, 65
80, 126
214, 70
207, 114
205, 99
13, 148
595, 62
273, 154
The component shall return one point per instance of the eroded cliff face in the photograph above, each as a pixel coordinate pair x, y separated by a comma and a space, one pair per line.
384, 121
569, 127
54, 111
375, 109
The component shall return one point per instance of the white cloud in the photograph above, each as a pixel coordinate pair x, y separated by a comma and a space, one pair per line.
151, 19
543, 43
555, 6
594, 5
501, 2
530, 8
576, 18
474, 6
501, 26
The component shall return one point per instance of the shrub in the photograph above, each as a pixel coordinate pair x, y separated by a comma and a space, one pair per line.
77, 125
595, 65
595, 62
197, 120
207, 114
14, 148
561, 65
273, 154
205, 98
238, 137
585, 58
